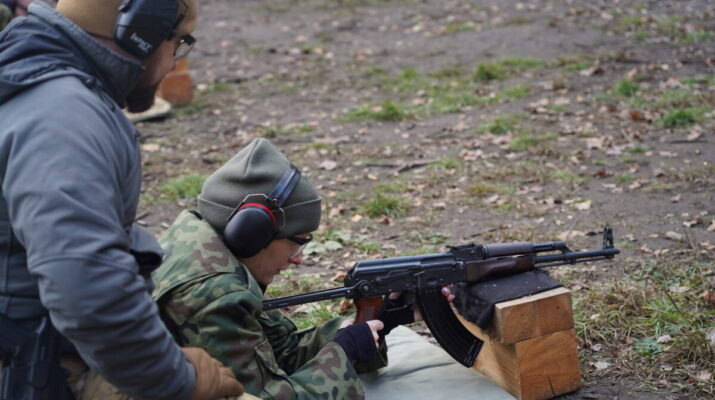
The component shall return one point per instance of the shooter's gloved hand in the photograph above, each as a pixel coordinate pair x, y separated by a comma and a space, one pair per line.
360, 341
396, 310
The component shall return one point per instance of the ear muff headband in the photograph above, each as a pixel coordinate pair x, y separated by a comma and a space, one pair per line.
255, 222
284, 187
142, 25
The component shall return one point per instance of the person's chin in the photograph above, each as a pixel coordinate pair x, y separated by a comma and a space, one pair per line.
141, 98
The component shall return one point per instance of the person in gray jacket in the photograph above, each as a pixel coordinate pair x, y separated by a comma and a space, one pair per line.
71, 176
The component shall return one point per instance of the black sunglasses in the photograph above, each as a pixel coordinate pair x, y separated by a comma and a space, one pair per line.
300, 241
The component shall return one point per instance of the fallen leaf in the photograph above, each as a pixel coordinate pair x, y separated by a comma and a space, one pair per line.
704, 376
645, 250
594, 143
601, 173
679, 289
711, 227
664, 339
601, 365
709, 297
333, 245
693, 222
491, 199
356, 218
595, 70
328, 165
694, 135
583, 206
711, 336
636, 115
675, 198
571, 234
338, 277
460, 127
345, 305
678, 237
151, 147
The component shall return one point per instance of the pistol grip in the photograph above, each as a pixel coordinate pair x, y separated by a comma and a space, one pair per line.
367, 308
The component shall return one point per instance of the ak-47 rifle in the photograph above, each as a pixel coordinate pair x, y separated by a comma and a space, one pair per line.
423, 276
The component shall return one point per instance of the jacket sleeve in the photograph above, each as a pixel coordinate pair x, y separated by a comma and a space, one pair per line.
231, 329
66, 191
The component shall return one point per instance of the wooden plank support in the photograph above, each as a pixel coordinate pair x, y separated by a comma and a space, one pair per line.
530, 349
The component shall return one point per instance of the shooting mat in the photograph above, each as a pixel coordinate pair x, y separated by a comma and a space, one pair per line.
419, 370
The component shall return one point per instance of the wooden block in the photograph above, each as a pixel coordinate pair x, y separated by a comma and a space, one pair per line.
531, 348
532, 316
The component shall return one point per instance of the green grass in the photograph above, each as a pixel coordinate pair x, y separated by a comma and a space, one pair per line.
699, 36
501, 125
527, 141
505, 68
681, 117
291, 284
385, 205
566, 176
457, 27
447, 163
629, 316
445, 90
183, 187
487, 188
387, 111
637, 149
678, 98
516, 92
489, 72
451, 72
624, 178
626, 88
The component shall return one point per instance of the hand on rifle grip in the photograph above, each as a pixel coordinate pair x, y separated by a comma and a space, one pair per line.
360, 341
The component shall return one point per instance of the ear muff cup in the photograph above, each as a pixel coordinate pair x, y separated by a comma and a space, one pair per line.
256, 221
142, 25
248, 242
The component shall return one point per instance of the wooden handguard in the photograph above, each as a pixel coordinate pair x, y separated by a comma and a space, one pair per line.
367, 308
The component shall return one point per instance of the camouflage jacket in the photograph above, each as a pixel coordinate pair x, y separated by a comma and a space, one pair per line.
210, 300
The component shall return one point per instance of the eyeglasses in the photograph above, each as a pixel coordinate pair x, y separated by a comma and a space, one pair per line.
186, 44
301, 242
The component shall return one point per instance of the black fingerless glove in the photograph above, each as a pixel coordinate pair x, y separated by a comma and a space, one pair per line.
395, 312
358, 342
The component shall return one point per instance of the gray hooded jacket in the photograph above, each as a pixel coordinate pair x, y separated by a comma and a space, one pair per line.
71, 175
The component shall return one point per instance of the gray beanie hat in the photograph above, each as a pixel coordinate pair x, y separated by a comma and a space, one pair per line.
257, 168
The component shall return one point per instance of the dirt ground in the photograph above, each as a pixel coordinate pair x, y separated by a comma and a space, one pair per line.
602, 114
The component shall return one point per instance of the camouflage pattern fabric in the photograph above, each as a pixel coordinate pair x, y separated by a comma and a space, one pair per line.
210, 300
5, 16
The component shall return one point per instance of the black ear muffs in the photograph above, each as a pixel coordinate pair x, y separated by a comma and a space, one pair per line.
255, 222
142, 25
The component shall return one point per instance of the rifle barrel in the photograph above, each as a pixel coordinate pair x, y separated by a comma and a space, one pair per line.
568, 258
308, 298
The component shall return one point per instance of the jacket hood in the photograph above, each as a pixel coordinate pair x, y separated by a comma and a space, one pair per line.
46, 45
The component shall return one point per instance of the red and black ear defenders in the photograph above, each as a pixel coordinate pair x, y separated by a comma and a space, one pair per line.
142, 25
256, 221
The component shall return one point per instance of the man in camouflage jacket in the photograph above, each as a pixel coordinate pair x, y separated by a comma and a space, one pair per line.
213, 299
